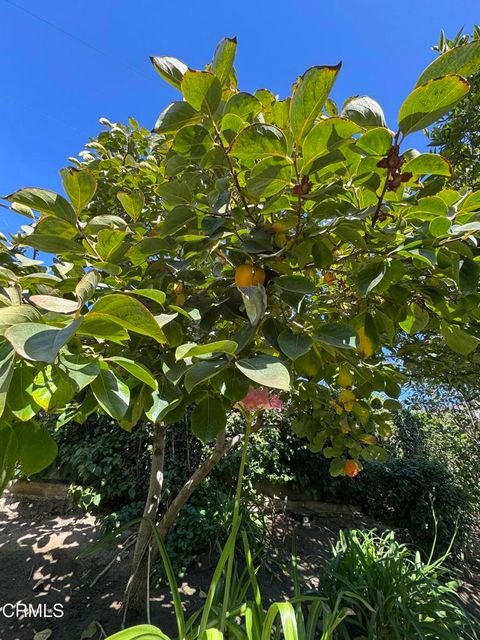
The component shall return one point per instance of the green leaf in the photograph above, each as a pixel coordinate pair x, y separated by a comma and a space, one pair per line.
174, 192
79, 370
221, 346
208, 419
174, 117
152, 294
255, 301
133, 202
458, 340
80, 186
37, 449
202, 90
47, 202
146, 248
87, 286
165, 399
429, 163
267, 371
170, 69
128, 313
194, 141
17, 313
439, 226
111, 245
223, 59
55, 304
471, 202
416, 320
463, 60
375, 142
51, 226
112, 394
295, 284
52, 244
322, 254
430, 101
259, 141
42, 342
140, 632
269, 176
20, 400
51, 389
103, 328
201, 372
233, 385
8, 455
336, 467
6, 373
336, 334
468, 275
294, 345
432, 205
365, 111
309, 95
243, 105
182, 349
326, 136
176, 220
137, 370
370, 276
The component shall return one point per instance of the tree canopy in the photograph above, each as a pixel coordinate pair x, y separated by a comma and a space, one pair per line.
457, 135
142, 310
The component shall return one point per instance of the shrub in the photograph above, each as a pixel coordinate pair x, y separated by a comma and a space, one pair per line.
392, 593
401, 493
398, 492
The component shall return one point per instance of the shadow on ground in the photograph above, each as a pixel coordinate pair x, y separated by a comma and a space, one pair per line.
40, 541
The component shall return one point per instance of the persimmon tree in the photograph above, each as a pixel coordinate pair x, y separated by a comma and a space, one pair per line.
340, 246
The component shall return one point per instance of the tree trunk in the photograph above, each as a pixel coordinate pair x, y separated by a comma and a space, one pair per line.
222, 447
136, 593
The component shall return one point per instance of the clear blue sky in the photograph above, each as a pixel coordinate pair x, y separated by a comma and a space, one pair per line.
65, 64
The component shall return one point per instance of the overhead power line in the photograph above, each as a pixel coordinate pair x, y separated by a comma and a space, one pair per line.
111, 57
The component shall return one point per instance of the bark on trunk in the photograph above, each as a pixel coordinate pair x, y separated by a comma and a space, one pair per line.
222, 447
136, 593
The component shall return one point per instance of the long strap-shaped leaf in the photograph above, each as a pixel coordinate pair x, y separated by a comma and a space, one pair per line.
212, 634
287, 618
141, 632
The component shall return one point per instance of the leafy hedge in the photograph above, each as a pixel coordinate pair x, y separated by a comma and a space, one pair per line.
109, 469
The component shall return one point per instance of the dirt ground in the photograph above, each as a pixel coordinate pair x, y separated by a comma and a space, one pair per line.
40, 541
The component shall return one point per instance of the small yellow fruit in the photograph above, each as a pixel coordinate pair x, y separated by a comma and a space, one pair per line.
180, 300
247, 275
329, 278
280, 226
